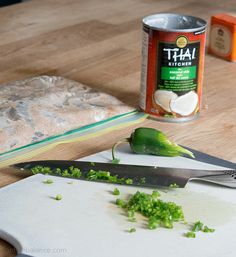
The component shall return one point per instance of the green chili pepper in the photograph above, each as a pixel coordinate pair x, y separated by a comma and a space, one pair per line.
152, 141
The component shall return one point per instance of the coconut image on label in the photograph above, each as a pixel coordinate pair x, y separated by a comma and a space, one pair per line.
184, 105
163, 99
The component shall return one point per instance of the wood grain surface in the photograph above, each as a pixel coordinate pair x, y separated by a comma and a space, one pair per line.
98, 42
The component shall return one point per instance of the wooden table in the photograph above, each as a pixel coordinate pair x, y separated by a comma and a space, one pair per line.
98, 42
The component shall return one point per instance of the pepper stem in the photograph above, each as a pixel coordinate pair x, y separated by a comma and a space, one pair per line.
124, 140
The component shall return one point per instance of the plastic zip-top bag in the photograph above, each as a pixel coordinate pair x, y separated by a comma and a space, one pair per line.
43, 108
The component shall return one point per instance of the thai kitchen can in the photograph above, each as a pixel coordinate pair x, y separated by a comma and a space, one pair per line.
172, 66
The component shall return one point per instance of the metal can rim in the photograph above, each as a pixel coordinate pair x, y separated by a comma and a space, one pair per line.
168, 29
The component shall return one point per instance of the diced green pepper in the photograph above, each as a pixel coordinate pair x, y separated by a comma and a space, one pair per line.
116, 191
132, 230
190, 234
58, 197
208, 230
48, 181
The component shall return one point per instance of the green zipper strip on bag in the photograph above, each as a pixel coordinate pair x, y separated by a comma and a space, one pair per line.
112, 122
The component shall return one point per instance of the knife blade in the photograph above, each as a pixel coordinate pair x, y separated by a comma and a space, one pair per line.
154, 176
210, 159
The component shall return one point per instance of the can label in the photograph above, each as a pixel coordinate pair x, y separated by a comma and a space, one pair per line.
178, 66
171, 77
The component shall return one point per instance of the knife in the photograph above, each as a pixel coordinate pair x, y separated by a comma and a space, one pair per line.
149, 176
210, 159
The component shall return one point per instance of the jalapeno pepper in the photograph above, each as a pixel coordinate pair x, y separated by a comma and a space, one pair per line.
151, 141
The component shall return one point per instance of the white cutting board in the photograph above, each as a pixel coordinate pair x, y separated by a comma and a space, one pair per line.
87, 223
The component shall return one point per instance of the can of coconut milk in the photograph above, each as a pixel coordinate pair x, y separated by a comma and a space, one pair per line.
172, 66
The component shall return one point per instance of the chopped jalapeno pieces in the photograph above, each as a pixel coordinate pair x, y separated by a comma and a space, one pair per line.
199, 226
116, 191
71, 172
158, 212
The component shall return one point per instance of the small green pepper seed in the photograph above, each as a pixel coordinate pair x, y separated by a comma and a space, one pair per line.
58, 197
48, 181
174, 185
116, 191
208, 230
155, 194
129, 181
142, 181
132, 219
132, 230
197, 226
130, 213
120, 202
190, 234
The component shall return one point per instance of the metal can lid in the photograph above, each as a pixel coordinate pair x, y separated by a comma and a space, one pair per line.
174, 22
